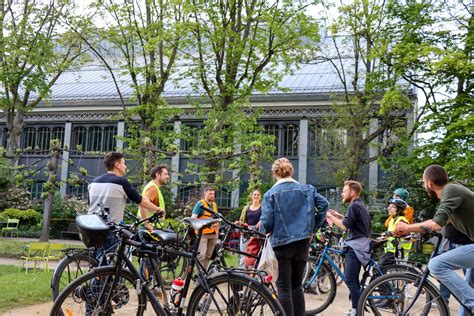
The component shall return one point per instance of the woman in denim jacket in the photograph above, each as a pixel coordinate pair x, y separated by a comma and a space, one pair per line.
289, 214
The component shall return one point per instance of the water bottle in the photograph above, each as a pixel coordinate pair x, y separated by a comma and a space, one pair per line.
175, 292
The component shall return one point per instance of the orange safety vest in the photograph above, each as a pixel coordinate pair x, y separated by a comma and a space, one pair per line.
215, 228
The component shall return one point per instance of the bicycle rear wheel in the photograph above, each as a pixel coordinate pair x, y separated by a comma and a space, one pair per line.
233, 294
70, 268
319, 290
88, 294
392, 293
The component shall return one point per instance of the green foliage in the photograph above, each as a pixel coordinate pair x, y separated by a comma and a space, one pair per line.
28, 218
68, 208
378, 220
34, 50
406, 171
145, 37
260, 42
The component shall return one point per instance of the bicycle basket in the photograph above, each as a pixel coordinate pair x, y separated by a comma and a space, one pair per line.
92, 229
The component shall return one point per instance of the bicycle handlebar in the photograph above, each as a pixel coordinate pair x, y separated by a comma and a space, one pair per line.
233, 225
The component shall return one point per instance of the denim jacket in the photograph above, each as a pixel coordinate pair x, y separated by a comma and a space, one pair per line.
289, 211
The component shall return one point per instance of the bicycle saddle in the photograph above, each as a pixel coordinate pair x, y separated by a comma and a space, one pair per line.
165, 237
199, 224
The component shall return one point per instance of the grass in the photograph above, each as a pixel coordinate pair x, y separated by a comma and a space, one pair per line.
21, 289
11, 248
232, 260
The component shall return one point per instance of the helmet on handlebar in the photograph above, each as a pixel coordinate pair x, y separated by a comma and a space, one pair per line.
92, 230
399, 203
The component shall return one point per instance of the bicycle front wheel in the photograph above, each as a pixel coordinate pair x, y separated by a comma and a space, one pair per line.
70, 268
393, 293
92, 294
233, 294
319, 289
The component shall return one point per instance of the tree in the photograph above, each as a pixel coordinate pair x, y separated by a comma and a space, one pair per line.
143, 39
50, 187
34, 51
440, 56
374, 106
241, 47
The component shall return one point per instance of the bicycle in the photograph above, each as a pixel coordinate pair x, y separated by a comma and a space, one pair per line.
316, 247
218, 258
77, 262
319, 283
121, 289
405, 293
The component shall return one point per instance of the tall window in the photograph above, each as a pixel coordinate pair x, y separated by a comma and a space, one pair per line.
94, 138
223, 197
79, 138
44, 138
29, 138
191, 140
327, 143
3, 137
58, 133
109, 142
79, 191
189, 193
272, 130
36, 189
286, 138
163, 141
39, 138
290, 140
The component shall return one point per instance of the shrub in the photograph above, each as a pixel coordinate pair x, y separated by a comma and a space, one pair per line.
17, 198
28, 218
378, 220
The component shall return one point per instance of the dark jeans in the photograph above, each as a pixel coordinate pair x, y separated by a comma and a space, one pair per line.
292, 260
352, 270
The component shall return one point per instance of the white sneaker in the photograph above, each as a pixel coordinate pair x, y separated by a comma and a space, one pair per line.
351, 312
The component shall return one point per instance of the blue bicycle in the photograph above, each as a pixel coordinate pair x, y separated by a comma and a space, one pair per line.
319, 282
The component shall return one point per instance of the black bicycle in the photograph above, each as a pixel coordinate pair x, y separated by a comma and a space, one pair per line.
120, 289
404, 293
77, 262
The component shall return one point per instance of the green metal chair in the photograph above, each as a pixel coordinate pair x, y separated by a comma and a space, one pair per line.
55, 252
12, 226
35, 252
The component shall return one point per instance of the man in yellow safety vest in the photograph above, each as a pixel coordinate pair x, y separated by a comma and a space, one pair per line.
159, 177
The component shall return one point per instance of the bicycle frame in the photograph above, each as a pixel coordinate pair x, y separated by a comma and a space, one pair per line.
326, 257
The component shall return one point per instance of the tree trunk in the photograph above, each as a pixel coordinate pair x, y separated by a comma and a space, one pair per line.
15, 123
51, 185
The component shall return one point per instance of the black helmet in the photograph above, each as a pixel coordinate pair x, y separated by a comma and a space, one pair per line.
399, 203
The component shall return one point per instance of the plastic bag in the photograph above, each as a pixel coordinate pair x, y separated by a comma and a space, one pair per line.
268, 261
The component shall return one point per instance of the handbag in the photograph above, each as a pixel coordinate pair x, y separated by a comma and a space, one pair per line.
268, 260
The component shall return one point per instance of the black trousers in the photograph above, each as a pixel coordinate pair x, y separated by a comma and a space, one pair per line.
292, 260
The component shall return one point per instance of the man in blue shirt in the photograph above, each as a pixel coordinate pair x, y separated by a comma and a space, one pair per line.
357, 223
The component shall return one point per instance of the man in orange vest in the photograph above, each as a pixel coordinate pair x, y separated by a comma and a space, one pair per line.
209, 235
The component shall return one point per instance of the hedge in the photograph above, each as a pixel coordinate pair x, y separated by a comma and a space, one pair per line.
28, 218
